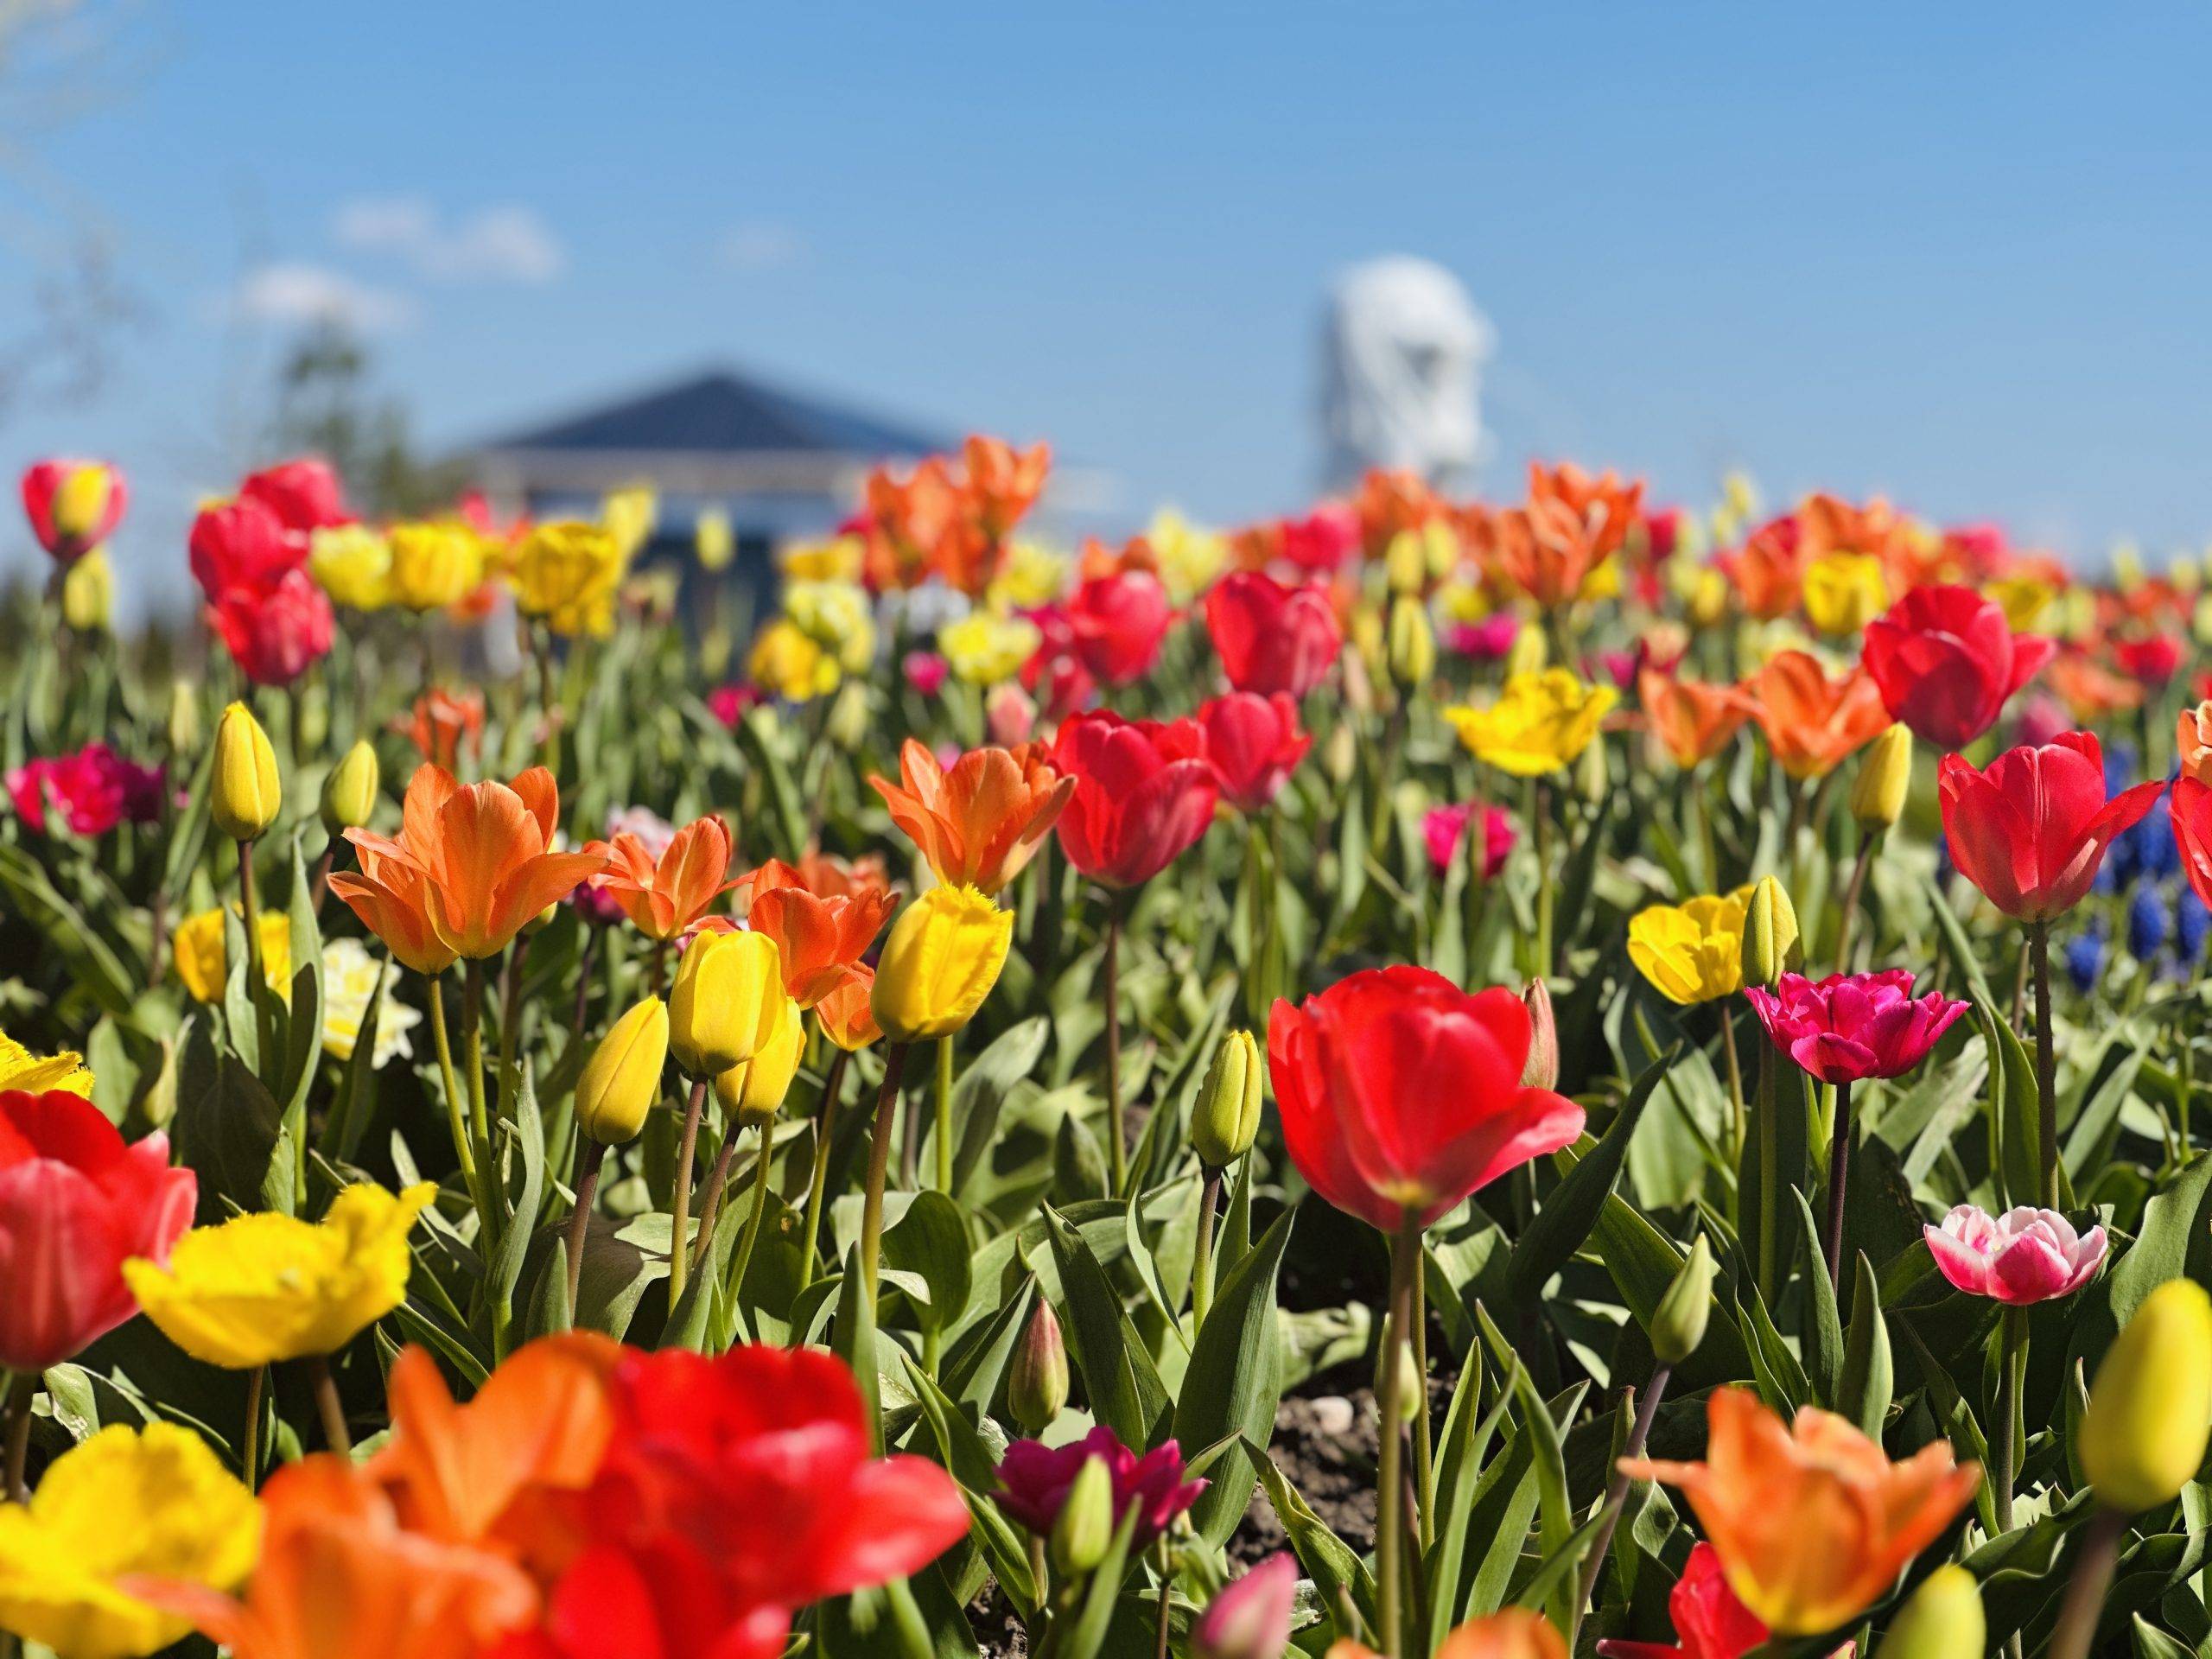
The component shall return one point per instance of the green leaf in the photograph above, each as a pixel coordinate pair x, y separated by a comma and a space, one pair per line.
1086, 1635
974, 1465
1460, 1451
1571, 1212
1555, 1522
228, 1131
1338, 1574
1234, 1381
1119, 1377
1823, 1334
931, 1241
1863, 1395
1643, 1262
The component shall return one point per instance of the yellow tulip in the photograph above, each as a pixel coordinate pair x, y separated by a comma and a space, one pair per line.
622, 1078
1692, 953
835, 616
939, 964
88, 592
1845, 591
838, 559
2023, 599
247, 794
127, 1502
1885, 776
754, 1088
784, 661
1032, 575
984, 647
1943, 1620
352, 564
1411, 654
568, 573
2143, 1432
201, 955
435, 565
629, 516
726, 999
36, 1074
1540, 723
1190, 557
265, 1286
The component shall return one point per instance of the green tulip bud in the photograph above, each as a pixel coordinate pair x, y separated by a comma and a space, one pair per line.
1590, 779
1678, 1324
1413, 1387
1085, 1527
184, 717
1037, 1375
1771, 942
1340, 755
349, 794
1943, 1620
1227, 1117
1412, 652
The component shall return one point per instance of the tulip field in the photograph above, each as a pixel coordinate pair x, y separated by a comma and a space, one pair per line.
1495, 1078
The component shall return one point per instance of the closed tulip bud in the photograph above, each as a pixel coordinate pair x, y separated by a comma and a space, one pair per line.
1340, 755
349, 794
1405, 563
88, 592
1591, 777
1227, 1117
247, 793
753, 1089
1678, 1324
1542, 1070
1037, 1375
939, 964
1771, 942
1943, 1620
1878, 794
1528, 653
1412, 643
2144, 1431
1250, 1619
1085, 1527
184, 717
729, 990
622, 1079
712, 539
850, 723
1413, 1387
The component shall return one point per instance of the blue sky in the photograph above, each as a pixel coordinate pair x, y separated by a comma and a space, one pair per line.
1956, 254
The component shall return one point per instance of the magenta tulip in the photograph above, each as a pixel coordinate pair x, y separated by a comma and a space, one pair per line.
1850, 1026
1035, 1477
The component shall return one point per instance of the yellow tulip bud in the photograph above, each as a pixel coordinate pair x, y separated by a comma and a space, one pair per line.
1412, 643
88, 592
726, 1001
1678, 1324
2143, 1432
1885, 774
1529, 652
1226, 1119
1943, 1620
1770, 941
850, 722
1405, 563
622, 1077
349, 794
712, 540
1708, 598
754, 1088
247, 792
939, 964
184, 717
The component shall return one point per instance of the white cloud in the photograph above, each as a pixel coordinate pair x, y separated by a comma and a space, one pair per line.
307, 294
506, 244
760, 245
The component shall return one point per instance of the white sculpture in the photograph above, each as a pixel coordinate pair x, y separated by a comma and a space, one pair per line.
1405, 348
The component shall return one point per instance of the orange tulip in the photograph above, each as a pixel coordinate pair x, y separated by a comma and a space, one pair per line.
1545, 549
667, 897
440, 722
817, 939
2090, 691
1813, 723
1693, 719
1390, 501
1769, 569
1831, 525
1606, 506
469, 867
1812, 1522
1509, 1633
339, 1578
2193, 742
980, 824
1002, 482
847, 1012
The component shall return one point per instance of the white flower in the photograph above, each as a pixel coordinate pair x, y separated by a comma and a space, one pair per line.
350, 975
647, 825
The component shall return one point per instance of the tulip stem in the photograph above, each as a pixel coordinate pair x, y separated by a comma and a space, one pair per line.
1770, 1176
1539, 830
1040, 1576
472, 1036
762, 1157
2013, 1322
1117, 1146
333, 1409
879, 1168
832, 1086
257, 1383
1202, 1262
2046, 1064
1390, 1480
1647, 1408
1159, 1624
510, 1023
20, 1393
463, 1148
580, 1218
944, 1114
1839, 1177
1736, 1119
1851, 891
2085, 1590
679, 1238
717, 1185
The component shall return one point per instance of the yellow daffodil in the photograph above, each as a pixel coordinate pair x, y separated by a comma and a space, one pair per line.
939, 964
568, 573
435, 565
354, 564
266, 1287
784, 661
20, 1069
1692, 953
835, 560
202, 962
836, 617
156, 1502
1845, 591
1540, 723
985, 647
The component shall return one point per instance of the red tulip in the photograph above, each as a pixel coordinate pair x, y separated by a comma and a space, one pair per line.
305, 494
1116, 622
2031, 830
2192, 811
75, 1203
73, 505
1144, 791
1255, 744
2154, 659
1271, 637
243, 544
1851, 1027
1946, 660
274, 632
1400, 1094
1711, 1621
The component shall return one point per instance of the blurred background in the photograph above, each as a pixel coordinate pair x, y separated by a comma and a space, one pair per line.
1951, 255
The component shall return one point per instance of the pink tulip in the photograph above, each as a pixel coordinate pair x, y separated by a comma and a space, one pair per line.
926, 672
1444, 828
2024, 1255
75, 1201
1250, 1619
1850, 1026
